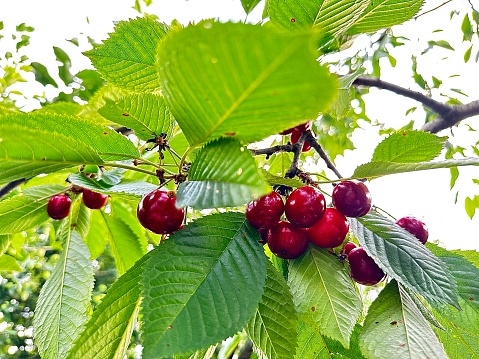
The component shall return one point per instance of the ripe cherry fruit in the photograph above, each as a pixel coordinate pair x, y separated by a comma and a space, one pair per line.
94, 200
295, 135
157, 212
303, 127
348, 247
330, 231
414, 226
305, 206
58, 206
352, 198
363, 268
265, 211
286, 240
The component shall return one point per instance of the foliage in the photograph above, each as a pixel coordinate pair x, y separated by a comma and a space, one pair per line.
187, 108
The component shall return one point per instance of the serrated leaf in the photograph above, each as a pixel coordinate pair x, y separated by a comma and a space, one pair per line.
409, 147
9, 264
277, 180
249, 5
201, 285
310, 343
381, 14
395, 328
27, 209
243, 80
338, 351
97, 236
144, 113
272, 327
127, 58
404, 258
80, 217
108, 332
223, 174
378, 169
324, 294
64, 300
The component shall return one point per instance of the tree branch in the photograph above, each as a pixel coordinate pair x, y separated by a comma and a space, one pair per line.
11, 186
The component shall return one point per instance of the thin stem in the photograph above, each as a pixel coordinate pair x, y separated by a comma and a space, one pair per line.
133, 168
314, 143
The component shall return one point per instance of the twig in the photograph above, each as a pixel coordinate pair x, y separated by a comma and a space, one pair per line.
11, 186
272, 150
437, 7
314, 143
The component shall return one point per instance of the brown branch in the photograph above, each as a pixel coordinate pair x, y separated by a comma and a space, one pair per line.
314, 143
272, 150
11, 186
434, 9
456, 115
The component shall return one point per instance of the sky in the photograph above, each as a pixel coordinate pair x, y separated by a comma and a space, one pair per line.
424, 194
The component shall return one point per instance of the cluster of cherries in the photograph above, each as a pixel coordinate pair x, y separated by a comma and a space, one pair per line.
308, 220
58, 206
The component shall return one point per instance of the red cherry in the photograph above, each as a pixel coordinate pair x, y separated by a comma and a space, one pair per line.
348, 247
157, 212
58, 206
330, 231
352, 198
265, 211
414, 226
363, 268
94, 200
305, 206
295, 137
286, 240
304, 127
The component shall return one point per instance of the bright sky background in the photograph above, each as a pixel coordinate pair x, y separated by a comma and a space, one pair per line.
423, 194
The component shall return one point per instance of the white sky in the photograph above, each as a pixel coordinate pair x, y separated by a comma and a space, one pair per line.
423, 194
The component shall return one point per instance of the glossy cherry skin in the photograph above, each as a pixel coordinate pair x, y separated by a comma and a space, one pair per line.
94, 200
58, 206
414, 226
363, 268
352, 198
295, 135
330, 231
265, 211
348, 247
286, 240
157, 212
305, 206
304, 127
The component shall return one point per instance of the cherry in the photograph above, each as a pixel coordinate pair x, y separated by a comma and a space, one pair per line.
415, 227
304, 127
94, 200
352, 198
158, 213
330, 231
363, 268
305, 206
295, 135
265, 211
286, 240
348, 247
58, 206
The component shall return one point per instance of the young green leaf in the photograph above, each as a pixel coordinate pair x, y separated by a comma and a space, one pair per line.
272, 327
224, 174
8, 263
127, 58
201, 285
395, 328
216, 77
324, 294
64, 300
277, 180
144, 113
249, 5
4, 243
404, 258
27, 209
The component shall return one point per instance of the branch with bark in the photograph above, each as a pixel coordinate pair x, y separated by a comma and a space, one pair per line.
448, 116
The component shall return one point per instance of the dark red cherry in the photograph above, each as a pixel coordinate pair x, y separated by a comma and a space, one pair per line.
363, 268
304, 127
94, 200
414, 226
348, 247
352, 198
330, 231
58, 206
265, 211
295, 135
286, 240
305, 206
157, 212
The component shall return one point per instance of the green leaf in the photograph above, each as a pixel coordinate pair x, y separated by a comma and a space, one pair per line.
201, 285
383, 168
404, 258
97, 236
243, 80
324, 294
42, 75
108, 332
467, 29
470, 205
27, 209
277, 180
271, 328
64, 300
467, 54
224, 174
409, 147
441, 43
144, 113
311, 344
4, 243
338, 351
9, 264
127, 58
249, 5
395, 328
381, 14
